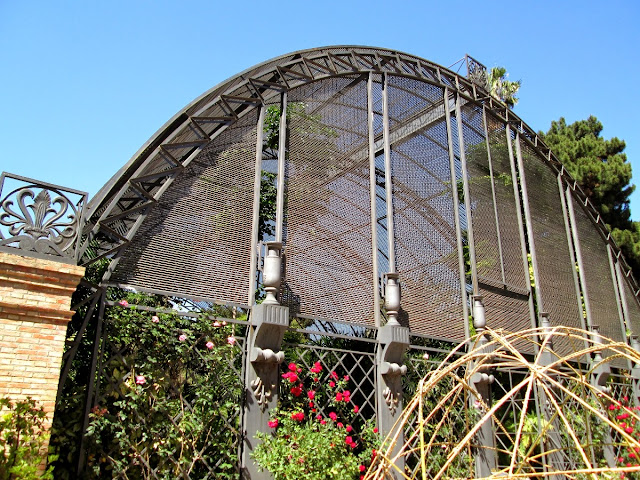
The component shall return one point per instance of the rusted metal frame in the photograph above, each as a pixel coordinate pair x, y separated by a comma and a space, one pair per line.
578, 249
467, 196
97, 345
372, 195
567, 224
616, 288
339, 62
493, 193
388, 173
126, 213
390, 60
292, 73
456, 210
282, 139
364, 60
517, 170
257, 181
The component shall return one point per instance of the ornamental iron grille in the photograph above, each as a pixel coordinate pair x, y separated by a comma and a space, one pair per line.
40, 219
293, 196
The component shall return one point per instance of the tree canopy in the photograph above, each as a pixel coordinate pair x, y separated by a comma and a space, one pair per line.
603, 173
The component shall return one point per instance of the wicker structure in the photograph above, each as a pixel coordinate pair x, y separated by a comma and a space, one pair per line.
406, 199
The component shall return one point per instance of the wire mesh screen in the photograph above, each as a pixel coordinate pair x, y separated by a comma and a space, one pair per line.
502, 278
425, 235
632, 310
549, 230
596, 272
328, 219
196, 241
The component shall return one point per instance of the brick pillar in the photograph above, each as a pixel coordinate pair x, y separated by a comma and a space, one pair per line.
35, 297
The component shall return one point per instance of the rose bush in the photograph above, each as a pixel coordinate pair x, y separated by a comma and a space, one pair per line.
315, 431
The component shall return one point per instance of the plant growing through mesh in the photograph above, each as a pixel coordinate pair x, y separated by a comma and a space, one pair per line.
315, 432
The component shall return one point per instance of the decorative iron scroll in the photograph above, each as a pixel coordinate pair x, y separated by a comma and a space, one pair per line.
476, 72
39, 219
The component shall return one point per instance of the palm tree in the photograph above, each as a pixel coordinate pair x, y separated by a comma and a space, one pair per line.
501, 88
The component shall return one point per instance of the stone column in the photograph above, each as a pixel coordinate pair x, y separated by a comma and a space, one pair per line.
35, 298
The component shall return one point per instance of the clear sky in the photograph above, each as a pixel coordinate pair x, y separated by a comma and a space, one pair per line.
83, 84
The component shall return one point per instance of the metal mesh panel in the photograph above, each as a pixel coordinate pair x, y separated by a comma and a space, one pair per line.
425, 235
597, 276
328, 231
632, 308
196, 241
555, 267
502, 279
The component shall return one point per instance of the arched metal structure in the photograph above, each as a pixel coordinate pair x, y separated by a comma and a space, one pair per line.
393, 160
384, 167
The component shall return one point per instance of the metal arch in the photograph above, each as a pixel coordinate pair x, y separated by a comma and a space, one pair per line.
119, 208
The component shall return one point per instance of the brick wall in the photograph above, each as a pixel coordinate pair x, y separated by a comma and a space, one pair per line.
35, 298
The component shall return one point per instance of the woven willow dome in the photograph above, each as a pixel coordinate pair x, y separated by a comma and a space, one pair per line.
387, 163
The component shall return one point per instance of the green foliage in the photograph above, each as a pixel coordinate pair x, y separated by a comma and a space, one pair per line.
500, 87
304, 444
170, 395
603, 173
23, 440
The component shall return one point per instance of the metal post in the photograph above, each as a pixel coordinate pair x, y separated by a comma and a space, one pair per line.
257, 182
527, 220
576, 244
268, 321
372, 194
493, 193
456, 209
481, 380
97, 344
467, 199
387, 174
282, 141
572, 253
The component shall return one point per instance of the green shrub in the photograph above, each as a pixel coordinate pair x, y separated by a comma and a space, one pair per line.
22, 440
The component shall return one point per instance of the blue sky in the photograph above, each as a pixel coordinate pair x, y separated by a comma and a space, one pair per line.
83, 84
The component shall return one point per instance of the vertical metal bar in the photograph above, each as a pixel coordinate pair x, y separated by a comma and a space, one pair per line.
493, 190
616, 287
90, 387
576, 244
456, 210
257, 182
467, 199
282, 140
372, 194
623, 297
572, 253
387, 174
528, 222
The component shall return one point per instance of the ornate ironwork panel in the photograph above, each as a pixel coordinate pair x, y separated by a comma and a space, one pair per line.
40, 219
197, 240
328, 222
425, 236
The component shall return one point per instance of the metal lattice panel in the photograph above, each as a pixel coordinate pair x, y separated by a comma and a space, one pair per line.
425, 236
556, 268
596, 273
328, 220
197, 241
